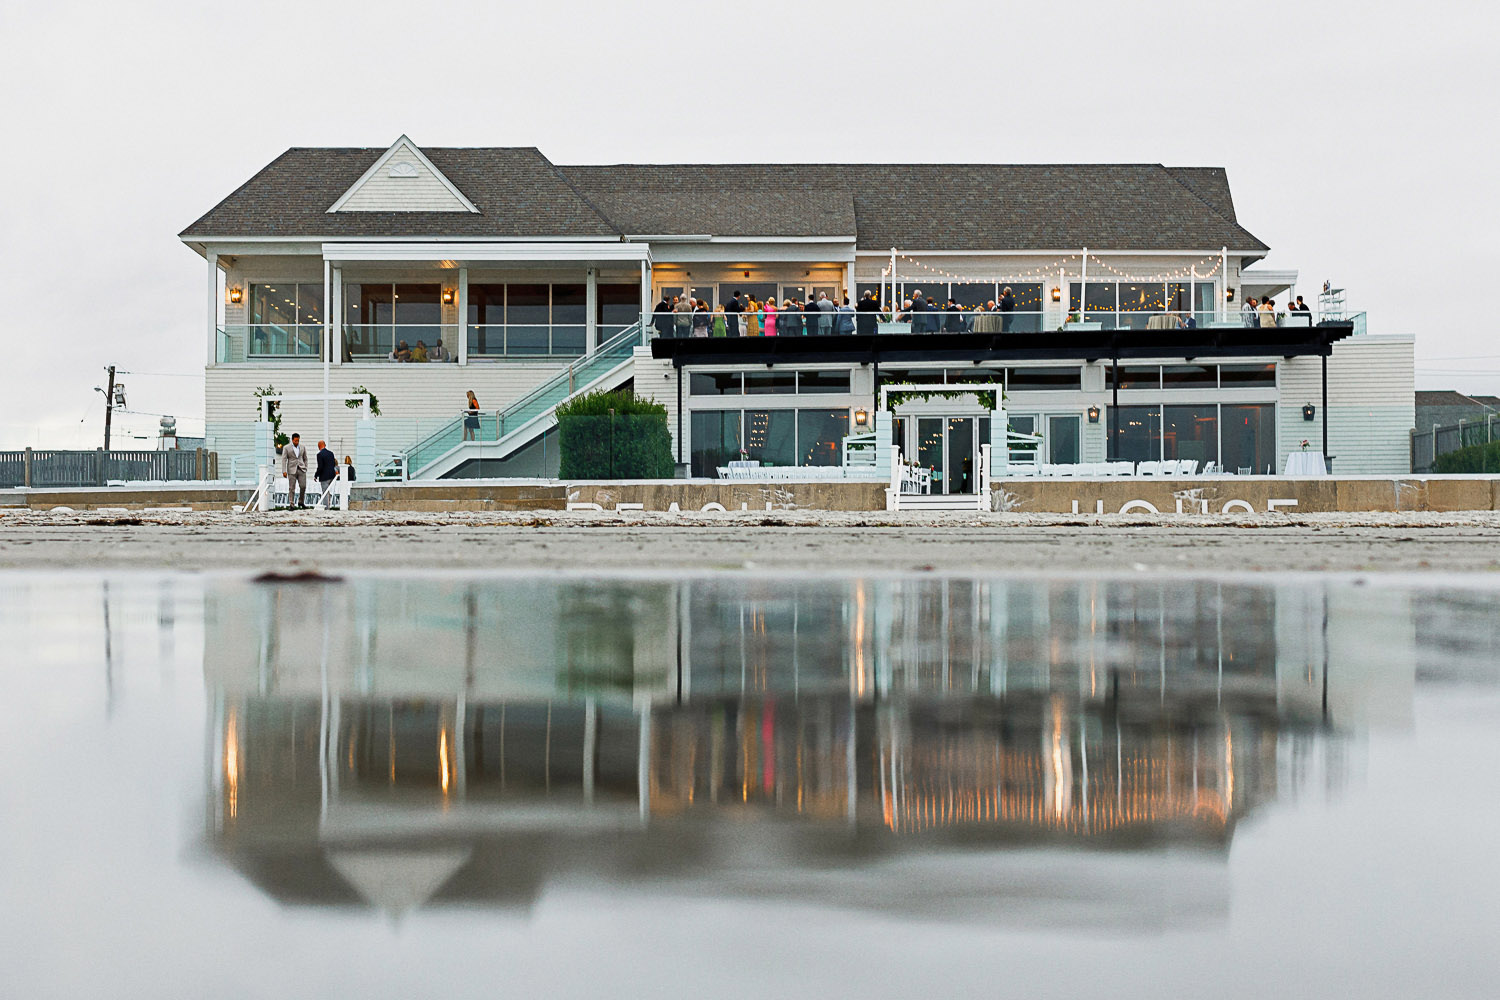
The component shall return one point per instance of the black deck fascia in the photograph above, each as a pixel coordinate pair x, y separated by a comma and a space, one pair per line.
1060, 345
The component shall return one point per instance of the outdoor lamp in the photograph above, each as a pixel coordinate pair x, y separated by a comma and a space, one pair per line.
1309, 411
1093, 414
1228, 294
447, 296
861, 417
1056, 294
236, 295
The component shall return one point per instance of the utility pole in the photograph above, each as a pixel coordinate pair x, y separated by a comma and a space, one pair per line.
109, 405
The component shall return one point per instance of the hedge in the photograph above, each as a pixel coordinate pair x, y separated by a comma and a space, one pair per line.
632, 442
1474, 458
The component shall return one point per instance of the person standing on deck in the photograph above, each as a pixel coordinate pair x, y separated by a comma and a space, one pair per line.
868, 312
1007, 307
732, 310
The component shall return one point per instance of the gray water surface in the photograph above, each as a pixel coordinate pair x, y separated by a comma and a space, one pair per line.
739, 786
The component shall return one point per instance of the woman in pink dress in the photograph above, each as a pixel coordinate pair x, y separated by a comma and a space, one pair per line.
770, 317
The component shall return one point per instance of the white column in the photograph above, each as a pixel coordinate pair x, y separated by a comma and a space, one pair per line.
463, 315
591, 311
645, 291
327, 339
336, 316
213, 307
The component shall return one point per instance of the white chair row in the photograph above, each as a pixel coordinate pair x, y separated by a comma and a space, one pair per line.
1095, 470
787, 473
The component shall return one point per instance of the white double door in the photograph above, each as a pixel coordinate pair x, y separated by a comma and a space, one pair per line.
948, 445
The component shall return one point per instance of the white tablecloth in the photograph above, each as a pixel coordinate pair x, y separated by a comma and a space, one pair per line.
1306, 463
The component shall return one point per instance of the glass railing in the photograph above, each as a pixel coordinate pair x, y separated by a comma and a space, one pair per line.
1230, 317
400, 342
528, 340
269, 342
821, 323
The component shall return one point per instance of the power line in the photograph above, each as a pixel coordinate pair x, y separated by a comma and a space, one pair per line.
165, 374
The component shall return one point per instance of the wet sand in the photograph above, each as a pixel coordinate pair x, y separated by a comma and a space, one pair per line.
793, 541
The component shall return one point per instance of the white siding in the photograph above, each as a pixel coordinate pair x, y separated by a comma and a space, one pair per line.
423, 193
414, 399
656, 379
1371, 405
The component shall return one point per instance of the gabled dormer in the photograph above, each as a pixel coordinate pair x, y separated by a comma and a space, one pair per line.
403, 180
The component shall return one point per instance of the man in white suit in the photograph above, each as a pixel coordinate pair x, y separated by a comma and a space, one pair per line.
294, 467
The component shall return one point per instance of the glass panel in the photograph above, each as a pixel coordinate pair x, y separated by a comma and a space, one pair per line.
274, 304
569, 304
898, 433
770, 436
527, 315
1101, 299
835, 381
714, 383
1179, 296
1205, 301
1249, 436
1189, 376
1137, 300
369, 311
716, 441
1022, 423
910, 376
486, 304
973, 293
310, 304
1191, 432
417, 313
569, 340
1243, 376
1134, 377
1031, 379
930, 448
820, 436
1027, 314
618, 307
759, 383
1062, 440
1138, 434
962, 463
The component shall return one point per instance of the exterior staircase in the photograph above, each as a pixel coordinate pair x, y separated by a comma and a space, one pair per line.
940, 501
526, 419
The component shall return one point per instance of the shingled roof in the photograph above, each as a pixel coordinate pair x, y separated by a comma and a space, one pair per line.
520, 193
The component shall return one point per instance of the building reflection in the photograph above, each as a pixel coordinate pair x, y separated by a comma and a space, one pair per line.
399, 743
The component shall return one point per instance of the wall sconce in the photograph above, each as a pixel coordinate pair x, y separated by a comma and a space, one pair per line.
1228, 294
747, 274
236, 295
1056, 294
447, 296
1309, 411
1093, 414
861, 417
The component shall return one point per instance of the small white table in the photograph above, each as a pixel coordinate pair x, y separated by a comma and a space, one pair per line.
1306, 463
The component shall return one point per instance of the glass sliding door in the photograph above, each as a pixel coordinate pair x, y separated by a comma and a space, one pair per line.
1191, 432
1062, 439
930, 449
1249, 438
963, 462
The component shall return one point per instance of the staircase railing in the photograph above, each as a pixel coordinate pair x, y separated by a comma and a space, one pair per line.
495, 426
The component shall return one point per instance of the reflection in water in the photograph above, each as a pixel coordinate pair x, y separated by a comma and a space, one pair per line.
406, 743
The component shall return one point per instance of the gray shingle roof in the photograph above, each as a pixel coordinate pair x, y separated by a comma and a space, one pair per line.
521, 193
973, 207
518, 193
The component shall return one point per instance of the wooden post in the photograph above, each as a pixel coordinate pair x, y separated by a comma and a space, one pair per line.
100, 455
26, 469
198, 463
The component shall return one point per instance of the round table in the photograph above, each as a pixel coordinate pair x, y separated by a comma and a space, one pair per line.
1306, 463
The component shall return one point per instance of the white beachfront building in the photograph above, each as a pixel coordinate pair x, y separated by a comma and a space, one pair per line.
540, 280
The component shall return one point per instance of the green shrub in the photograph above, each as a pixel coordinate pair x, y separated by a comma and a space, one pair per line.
1475, 458
614, 435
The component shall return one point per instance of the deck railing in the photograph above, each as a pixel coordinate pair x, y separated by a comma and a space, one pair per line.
39, 468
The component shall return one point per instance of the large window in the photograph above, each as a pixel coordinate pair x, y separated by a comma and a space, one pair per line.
1250, 438
764, 382
770, 437
1242, 438
379, 317
619, 306
535, 320
1129, 305
286, 320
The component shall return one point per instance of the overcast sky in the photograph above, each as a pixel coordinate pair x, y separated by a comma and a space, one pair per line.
1359, 137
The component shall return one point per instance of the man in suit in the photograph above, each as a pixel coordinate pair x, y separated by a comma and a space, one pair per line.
868, 312
826, 309
1007, 306
294, 467
661, 318
327, 468
918, 306
732, 310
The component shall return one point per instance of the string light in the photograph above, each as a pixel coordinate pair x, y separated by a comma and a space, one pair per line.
1199, 269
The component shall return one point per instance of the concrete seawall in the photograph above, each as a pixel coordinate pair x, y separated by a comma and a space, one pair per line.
1232, 494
